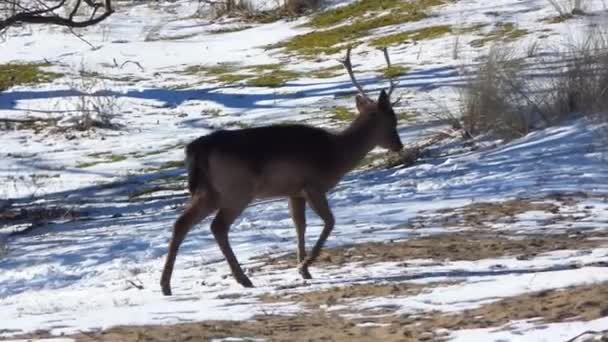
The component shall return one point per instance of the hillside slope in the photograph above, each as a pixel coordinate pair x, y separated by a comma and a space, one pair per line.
457, 246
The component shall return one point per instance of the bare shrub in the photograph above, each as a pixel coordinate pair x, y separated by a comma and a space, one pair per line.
247, 10
581, 86
229, 7
297, 7
494, 98
502, 96
566, 8
95, 107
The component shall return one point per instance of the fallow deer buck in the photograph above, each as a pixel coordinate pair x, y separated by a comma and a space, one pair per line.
227, 170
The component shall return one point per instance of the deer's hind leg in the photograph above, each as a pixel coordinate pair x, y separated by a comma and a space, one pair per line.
318, 203
200, 206
220, 228
297, 209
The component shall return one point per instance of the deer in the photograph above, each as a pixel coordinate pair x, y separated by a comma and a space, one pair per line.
228, 169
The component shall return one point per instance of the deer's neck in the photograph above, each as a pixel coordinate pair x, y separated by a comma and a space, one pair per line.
355, 142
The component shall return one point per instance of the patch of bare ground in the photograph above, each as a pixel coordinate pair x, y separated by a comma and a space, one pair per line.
469, 245
311, 326
580, 303
339, 294
483, 215
562, 305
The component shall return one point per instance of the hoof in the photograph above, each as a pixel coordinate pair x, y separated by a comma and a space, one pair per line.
245, 282
304, 272
166, 290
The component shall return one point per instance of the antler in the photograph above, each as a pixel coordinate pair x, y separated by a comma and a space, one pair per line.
349, 68
392, 82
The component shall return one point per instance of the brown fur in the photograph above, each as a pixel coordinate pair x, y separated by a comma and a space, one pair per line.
229, 169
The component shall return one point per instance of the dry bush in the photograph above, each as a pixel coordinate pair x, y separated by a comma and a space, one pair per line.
494, 98
503, 98
297, 7
566, 8
247, 10
581, 86
95, 106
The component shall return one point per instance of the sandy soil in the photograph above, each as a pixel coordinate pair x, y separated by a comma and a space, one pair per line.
342, 323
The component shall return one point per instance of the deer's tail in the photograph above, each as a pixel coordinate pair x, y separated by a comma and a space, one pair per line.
197, 165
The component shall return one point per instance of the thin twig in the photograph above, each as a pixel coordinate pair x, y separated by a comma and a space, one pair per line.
81, 39
137, 286
133, 62
594, 332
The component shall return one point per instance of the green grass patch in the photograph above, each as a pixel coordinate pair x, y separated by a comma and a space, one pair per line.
87, 164
342, 113
262, 75
362, 7
161, 150
273, 79
330, 41
231, 78
116, 158
401, 37
213, 70
172, 164
404, 116
394, 70
230, 29
20, 74
504, 32
265, 67
328, 72
106, 157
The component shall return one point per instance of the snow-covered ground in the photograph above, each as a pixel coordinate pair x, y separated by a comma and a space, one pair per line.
101, 267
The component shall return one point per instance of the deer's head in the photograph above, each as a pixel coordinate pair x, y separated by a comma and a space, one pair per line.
381, 112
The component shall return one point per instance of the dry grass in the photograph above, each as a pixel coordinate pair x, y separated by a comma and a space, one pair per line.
472, 245
502, 98
246, 9
560, 305
582, 86
494, 99
567, 8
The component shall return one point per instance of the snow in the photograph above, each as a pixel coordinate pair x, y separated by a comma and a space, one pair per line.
523, 331
84, 274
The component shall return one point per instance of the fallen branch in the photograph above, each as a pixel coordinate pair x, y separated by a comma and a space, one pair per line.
594, 332
26, 121
137, 286
129, 62
47, 15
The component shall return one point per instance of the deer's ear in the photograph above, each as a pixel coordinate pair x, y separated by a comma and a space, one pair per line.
384, 102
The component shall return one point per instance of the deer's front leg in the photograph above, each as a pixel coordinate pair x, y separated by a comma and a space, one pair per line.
297, 209
318, 203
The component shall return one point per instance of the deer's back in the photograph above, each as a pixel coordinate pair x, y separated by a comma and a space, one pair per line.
267, 161
261, 145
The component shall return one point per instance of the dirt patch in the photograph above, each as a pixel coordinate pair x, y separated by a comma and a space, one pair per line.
470, 245
476, 215
575, 303
336, 295
315, 326
485, 215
